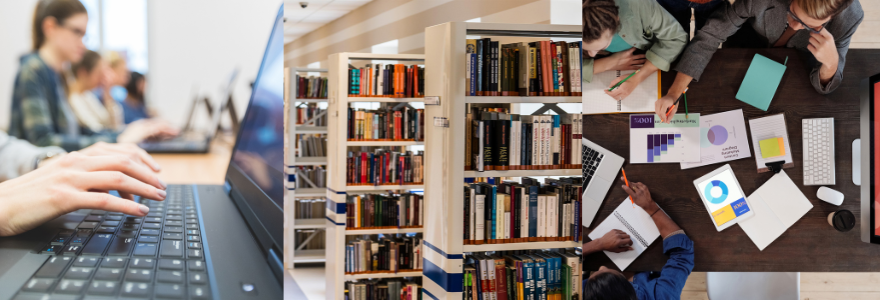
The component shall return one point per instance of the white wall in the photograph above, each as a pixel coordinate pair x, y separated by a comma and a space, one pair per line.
200, 42
15, 40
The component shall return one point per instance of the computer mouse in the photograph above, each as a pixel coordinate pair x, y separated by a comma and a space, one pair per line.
831, 196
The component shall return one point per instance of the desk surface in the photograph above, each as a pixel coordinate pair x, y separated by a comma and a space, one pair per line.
208, 168
810, 245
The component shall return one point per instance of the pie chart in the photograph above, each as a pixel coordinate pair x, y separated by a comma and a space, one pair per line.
717, 135
711, 187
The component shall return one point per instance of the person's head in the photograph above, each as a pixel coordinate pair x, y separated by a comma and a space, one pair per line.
61, 25
89, 71
608, 284
814, 14
601, 22
136, 86
119, 67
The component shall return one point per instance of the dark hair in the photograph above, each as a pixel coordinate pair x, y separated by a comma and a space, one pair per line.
609, 286
58, 9
599, 17
88, 62
132, 87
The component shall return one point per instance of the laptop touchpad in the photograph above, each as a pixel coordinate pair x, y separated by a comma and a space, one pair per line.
597, 189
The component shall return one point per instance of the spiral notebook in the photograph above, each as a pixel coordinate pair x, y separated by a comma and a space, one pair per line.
633, 220
596, 101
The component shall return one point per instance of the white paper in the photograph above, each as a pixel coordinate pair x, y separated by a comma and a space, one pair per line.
766, 128
642, 226
778, 204
722, 138
596, 101
684, 147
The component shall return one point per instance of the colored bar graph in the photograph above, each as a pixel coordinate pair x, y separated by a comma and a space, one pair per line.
659, 144
650, 151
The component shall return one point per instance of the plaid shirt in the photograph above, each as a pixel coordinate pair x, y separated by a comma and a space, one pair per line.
40, 112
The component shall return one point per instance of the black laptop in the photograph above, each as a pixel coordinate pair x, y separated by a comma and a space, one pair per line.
202, 242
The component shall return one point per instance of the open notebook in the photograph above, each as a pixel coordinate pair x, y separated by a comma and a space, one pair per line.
642, 99
777, 204
633, 220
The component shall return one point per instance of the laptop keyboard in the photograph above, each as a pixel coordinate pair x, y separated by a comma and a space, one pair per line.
591, 159
112, 255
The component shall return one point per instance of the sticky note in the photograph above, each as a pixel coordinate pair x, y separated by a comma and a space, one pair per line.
723, 215
772, 147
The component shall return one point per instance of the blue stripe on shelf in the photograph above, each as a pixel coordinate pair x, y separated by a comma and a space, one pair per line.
429, 294
331, 221
450, 282
448, 256
337, 208
335, 192
291, 178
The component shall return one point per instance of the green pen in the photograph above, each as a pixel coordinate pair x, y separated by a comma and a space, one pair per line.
624, 80
685, 105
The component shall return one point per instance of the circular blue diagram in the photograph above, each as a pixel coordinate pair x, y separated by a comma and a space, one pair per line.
712, 185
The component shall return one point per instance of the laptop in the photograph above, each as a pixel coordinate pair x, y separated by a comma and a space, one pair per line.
202, 242
600, 168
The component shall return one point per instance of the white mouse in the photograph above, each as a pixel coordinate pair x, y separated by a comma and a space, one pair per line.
831, 196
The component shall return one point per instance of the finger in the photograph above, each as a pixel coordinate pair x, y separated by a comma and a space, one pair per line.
638, 56
628, 190
626, 242
135, 152
630, 51
103, 201
111, 180
814, 41
639, 61
812, 49
122, 164
125, 195
642, 187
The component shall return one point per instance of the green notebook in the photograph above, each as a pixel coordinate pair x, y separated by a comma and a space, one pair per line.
761, 81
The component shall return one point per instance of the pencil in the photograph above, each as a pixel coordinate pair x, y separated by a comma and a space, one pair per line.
624, 80
627, 184
674, 104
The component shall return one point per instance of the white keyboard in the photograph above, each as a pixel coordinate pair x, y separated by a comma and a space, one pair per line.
818, 135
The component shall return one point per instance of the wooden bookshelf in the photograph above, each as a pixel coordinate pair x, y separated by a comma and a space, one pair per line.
445, 46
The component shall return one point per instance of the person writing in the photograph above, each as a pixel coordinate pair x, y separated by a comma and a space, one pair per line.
667, 284
42, 183
621, 27
822, 28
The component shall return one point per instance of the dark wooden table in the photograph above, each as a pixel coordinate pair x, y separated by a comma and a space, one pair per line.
810, 245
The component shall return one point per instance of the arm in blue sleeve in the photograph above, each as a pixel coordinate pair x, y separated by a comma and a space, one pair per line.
672, 278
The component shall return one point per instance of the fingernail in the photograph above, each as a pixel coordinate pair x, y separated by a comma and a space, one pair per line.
161, 194
157, 167
162, 183
144, 209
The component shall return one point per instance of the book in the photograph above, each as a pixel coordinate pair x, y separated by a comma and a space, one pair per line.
387, 123
311, 177
761, 81
389, 80
635, 222
384, 289
777, 204
383, 167
641, 100
311, 145
311, 87
541, 68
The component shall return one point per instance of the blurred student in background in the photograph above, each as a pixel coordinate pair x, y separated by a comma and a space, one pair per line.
41, 113
91, 72
134, 106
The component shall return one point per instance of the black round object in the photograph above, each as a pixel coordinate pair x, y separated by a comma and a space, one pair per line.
844, 220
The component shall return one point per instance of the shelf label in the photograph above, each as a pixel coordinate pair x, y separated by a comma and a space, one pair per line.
441, 122
432, 100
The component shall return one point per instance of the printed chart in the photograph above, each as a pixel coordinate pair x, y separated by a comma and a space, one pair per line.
722, 138
652, 141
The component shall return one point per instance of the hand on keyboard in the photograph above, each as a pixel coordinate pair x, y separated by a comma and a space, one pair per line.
131, 150
76, 181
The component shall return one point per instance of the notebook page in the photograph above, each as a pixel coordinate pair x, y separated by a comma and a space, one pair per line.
642, 98
766, 128
633, 220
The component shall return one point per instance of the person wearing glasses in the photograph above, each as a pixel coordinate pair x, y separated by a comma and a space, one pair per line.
41, 113
822, 28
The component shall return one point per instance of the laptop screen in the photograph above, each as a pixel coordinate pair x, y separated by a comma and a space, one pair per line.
874, 94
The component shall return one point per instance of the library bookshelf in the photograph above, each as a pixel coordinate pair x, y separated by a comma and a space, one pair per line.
337, 189
294, 253
445, 57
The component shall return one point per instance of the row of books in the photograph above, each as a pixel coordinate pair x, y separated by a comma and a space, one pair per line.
384, 211
542, 68
316, 243
311, 145
316, 174
389, 80
386, 124
386, 289
497, 140
308, 112
388, 254
383, 167
528, 212
539, 275
311, 87
310, 209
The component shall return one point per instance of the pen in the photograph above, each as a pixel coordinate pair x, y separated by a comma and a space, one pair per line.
676, 103
685, 106
624, 80
627, 184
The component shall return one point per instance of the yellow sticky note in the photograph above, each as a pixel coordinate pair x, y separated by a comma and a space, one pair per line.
723, 215
772, 147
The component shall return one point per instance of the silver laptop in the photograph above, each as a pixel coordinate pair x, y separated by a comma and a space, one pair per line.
600, 168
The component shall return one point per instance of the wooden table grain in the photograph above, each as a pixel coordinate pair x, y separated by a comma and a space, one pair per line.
207, 168
810, 245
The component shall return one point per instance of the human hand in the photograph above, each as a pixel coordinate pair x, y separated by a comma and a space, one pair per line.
75, 181
622, 91
640, 194
625, 60
615, 241
823, 48
140, 130
662, 106
132, 151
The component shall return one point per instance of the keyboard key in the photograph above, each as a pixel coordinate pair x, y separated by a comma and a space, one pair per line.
174, 229
194, 245
152, 226
115, 214
154, 215
193, 232
108, 274
153, 220
145, 249
121, 246
133, 220
148, 239
53, 266
199, 292
172, 236
68, 286
66, 232
71, 250
97, 212
97, 244
110, 223
192, 226
193, 238
153, 232
171, 264
166, 290
89, 262
127, 233
169, 276
78, 273
104, 229
142, 263
195, 265
78, 240
130, 226
60, 240
113, 218
174, 218
38, 285
135, 289
198, 278
88, 225
50, 249
173, 223
114, 262
192, 220
142, 275
102, 288
171, 248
